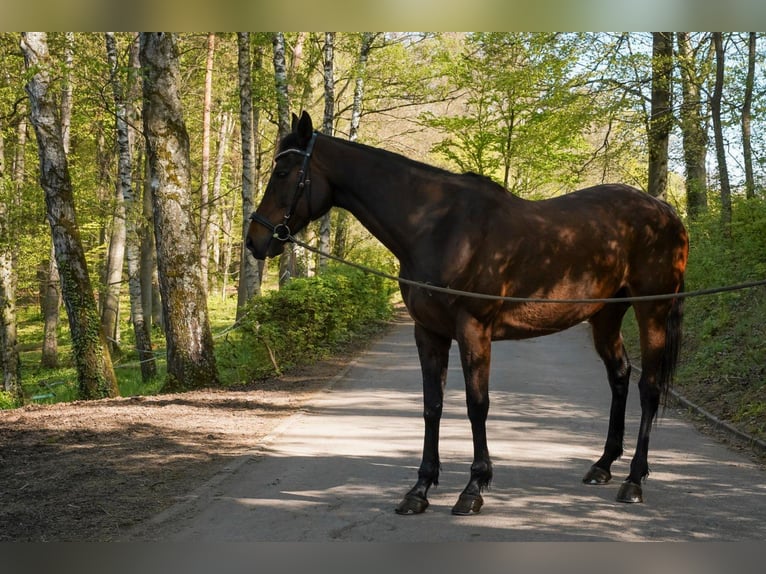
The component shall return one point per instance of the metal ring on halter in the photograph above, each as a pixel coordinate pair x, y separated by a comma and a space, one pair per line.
281, 232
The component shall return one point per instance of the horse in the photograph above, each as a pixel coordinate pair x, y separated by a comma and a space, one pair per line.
541, 267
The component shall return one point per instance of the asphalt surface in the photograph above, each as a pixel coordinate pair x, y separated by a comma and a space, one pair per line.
336, 470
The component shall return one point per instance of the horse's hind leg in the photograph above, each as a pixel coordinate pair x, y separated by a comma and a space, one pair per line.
433, 351
659, 325
608, 342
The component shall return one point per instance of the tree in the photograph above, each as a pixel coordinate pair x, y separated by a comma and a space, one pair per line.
204, 200
287, 259
327, 129
661, 118
249, 269
746, 120
720, 144
126, 192
693, 129
13, 117
9, 353
95, 374
341, 222
524, 113
190, 358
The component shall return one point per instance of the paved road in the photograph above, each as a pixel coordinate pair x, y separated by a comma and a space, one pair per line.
336, 470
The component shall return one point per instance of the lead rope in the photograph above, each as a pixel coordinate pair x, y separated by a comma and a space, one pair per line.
458, 292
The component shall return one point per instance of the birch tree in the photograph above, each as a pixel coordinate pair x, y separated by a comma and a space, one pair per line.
204, 207
95, 374
249, 269
341, 221
127, 195
287, 259
327, 129
190, 358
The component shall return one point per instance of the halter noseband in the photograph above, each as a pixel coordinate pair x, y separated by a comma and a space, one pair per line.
281, 231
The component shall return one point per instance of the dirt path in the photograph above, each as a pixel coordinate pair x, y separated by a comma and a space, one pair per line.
91, 470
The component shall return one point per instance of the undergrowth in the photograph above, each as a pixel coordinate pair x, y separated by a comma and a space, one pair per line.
310, 318
305, 321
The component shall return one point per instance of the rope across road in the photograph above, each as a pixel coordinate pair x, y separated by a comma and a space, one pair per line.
458, 292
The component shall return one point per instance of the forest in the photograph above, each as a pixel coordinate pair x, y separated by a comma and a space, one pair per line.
130, 162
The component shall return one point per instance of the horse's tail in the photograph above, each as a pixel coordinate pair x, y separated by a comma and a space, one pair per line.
672, 345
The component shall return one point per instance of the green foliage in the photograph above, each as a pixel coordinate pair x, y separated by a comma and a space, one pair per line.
311, 317
723, 356
523, 114
7, 401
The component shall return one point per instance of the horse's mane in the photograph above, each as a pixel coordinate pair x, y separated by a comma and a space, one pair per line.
291, 141
491, 183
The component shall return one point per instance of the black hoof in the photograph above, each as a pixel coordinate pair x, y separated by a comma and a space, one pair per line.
630, 492
597, 475
468, 504
412, 504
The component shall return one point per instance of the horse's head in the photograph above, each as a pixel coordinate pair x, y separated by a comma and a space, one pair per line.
295, 195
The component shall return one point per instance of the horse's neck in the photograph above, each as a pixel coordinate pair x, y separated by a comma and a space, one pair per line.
379, 197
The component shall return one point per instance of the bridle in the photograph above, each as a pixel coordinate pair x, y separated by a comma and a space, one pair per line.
281, 231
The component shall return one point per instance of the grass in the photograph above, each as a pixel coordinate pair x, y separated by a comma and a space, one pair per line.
44, 385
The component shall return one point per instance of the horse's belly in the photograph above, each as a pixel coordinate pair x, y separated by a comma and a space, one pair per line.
536, 320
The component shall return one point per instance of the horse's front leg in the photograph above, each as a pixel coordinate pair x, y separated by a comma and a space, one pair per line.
475, 352
433, 351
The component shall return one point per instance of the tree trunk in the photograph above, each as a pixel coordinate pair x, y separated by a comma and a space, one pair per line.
661, 119
94, 365
747, 148
693, 130
52, 285
130, 211
110, 306
222, 233
280, 82
327, 129
190, 357
51, 301
720, 145
150, 284
204, 199
341, 221
249, 270
9, 353
287, 259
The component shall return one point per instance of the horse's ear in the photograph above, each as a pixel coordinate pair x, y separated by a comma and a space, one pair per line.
305, 128
294, 125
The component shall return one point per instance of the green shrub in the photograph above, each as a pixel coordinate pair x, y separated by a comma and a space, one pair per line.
311, 317
7, 400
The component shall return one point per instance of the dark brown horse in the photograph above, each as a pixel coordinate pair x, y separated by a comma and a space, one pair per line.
467, 233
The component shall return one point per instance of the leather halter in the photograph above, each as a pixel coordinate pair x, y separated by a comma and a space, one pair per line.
281, 231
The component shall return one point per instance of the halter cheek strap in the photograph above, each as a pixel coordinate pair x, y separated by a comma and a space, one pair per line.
281, 231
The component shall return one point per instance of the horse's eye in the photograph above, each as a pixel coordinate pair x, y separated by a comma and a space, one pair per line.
282, 173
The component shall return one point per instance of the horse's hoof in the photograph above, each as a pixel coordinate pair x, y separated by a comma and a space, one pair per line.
412, 504
468, 504
630, 492
597, 475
